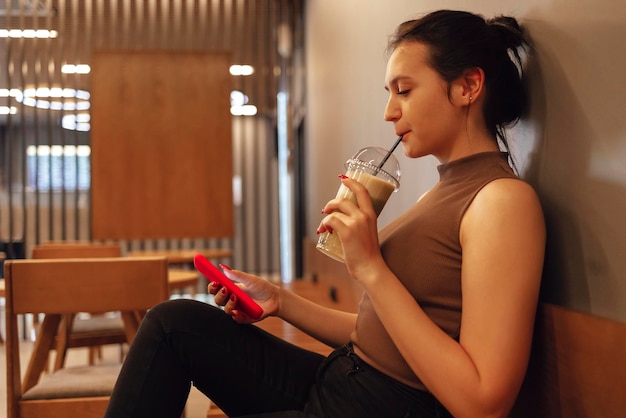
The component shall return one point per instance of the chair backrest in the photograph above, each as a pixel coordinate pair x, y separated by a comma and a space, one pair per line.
75, 250
64, 286
85, 284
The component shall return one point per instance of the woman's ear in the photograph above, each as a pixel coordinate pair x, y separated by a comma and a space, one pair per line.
468, 87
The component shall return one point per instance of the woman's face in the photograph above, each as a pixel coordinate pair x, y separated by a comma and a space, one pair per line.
419, 106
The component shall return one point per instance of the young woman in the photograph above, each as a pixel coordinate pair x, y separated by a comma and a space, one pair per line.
450, 287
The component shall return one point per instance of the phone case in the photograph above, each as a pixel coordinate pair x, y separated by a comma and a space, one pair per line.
244, 302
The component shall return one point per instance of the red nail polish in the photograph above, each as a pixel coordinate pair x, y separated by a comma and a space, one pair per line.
225, 267
342, 176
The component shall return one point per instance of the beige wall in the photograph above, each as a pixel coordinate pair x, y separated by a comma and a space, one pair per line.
572, 146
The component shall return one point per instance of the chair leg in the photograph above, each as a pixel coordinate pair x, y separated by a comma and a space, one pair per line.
95, 354
63, 336
122, 352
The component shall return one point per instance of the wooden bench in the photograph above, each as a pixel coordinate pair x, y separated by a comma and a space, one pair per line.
577, 367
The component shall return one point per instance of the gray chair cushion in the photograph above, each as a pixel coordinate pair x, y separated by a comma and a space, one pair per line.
76, 382
97, 323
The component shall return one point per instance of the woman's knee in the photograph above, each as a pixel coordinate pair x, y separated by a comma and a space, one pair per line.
171, 307
179, 314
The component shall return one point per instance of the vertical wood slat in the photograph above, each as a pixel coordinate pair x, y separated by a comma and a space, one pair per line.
75, 47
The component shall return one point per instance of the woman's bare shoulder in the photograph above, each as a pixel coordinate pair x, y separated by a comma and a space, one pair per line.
507, 205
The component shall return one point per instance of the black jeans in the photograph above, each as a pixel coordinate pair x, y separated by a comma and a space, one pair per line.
248, 372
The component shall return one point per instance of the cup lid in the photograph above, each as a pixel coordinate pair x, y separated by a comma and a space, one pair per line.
372, 157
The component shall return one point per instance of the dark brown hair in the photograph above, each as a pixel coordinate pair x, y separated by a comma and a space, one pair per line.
460, 40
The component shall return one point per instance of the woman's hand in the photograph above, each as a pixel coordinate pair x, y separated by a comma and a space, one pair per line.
357, 228
263, 292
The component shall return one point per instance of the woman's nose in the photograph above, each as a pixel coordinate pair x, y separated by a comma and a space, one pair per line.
392, 112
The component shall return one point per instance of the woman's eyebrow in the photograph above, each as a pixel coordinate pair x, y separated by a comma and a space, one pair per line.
395, 80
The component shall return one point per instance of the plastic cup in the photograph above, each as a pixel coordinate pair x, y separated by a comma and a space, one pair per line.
379, 182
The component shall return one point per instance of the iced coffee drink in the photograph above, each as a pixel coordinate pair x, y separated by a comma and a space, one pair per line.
379, 182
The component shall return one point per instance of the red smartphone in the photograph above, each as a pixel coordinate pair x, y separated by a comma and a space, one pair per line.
244, 302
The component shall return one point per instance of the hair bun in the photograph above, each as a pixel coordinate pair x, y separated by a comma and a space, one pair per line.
508, 31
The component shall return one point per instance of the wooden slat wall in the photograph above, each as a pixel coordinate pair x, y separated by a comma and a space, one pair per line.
32, 213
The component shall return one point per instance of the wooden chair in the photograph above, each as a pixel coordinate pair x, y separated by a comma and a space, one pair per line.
79, 249
67, 286
83, 330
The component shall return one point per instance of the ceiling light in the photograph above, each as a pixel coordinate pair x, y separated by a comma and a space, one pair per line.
239, 106
59, 150
237, 98
79, 122
241, 70
245, 110
8, 110
75, 69
28, 33
66, 99
10, 93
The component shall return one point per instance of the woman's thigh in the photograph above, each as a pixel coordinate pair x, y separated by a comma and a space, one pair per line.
241, 368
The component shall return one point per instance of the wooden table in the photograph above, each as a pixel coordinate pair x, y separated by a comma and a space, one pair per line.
184, 256
182, 279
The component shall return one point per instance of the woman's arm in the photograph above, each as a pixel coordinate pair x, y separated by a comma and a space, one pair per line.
503, 240
330, 326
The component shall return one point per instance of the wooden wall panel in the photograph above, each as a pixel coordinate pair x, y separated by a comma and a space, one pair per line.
161, 145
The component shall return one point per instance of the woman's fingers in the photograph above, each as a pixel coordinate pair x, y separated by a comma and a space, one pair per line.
347, 205
230, 304
222, 296
342, 211
213, 287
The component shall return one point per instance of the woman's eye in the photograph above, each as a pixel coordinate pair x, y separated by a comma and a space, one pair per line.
403, 92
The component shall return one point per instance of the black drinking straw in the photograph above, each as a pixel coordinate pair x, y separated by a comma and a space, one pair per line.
391, 150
